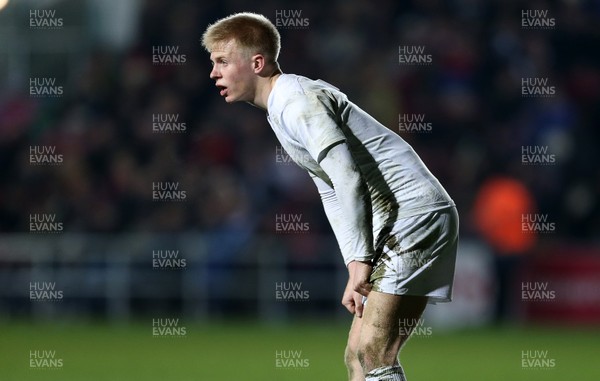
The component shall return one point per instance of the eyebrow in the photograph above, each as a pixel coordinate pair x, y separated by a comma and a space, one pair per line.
218, 55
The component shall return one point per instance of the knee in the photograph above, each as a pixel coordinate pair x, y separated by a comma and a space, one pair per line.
367, 356
375, 353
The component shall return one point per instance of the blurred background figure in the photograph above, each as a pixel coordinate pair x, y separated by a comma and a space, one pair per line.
499, 210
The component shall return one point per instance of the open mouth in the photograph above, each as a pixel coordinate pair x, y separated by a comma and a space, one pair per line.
223, 90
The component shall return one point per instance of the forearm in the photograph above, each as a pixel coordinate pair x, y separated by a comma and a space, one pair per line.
354, 202
335, 217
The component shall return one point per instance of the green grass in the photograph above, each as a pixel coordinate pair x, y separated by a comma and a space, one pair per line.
246, 351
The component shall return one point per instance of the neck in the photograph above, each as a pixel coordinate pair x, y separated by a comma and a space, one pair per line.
263, 89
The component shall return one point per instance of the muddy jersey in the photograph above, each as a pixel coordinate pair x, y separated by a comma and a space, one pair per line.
310, 116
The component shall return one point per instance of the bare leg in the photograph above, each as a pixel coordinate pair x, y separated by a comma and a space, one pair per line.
355, 371
380, 335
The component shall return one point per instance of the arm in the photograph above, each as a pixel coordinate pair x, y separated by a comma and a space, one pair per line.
314, 124
351, 299
353, 201
334, 214
354, 207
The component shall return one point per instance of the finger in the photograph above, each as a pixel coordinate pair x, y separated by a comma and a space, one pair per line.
359, 305
350, 305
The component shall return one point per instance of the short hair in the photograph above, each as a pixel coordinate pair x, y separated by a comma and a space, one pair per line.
253, 32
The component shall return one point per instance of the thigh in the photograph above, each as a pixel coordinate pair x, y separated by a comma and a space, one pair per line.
354, 334
385, 315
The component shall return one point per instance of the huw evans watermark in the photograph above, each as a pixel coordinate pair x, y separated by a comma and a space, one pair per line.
413, 259
44, 155
537, 87
413, 123
414, 328
167, 123
168, 260
413, 55
41, 87
167, 191
537, 223
537, 155
282, 157
291, 19
167, 55
45, 19
534, 359
291, 359
44, 292
44, 359
290, 292
537, 19
44, 223
168, 328
289, 223
537, 291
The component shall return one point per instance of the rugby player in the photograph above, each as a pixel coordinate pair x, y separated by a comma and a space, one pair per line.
396, 226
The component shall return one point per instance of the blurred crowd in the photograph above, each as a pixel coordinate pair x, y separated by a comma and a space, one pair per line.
227, 159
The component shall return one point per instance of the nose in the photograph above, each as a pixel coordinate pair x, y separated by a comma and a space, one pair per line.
214, 73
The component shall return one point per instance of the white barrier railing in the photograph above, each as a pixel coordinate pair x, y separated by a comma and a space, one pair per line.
119, 276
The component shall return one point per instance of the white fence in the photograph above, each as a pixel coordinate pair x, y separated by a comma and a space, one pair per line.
271, 278
120, 276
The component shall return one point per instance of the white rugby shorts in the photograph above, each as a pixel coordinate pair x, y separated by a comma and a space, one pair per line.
419, 256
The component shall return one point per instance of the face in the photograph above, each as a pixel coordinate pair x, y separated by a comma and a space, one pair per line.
232, 72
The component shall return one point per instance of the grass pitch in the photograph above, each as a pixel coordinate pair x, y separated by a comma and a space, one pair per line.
248, 351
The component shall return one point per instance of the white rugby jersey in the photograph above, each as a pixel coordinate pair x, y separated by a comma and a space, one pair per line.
310, 116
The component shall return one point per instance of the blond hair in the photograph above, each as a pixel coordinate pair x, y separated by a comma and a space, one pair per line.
252, 32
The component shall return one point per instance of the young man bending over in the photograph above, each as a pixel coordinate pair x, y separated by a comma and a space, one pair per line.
396, 226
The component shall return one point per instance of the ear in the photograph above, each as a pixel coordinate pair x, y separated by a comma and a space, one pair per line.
258, 63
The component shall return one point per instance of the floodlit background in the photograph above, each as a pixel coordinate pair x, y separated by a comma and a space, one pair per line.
150, 231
